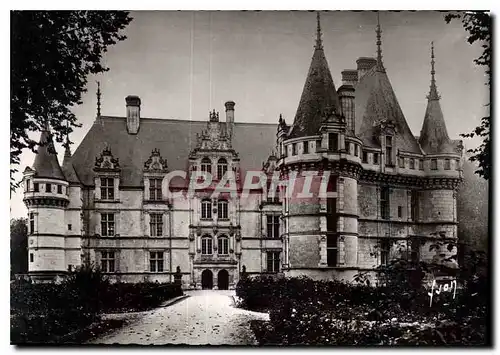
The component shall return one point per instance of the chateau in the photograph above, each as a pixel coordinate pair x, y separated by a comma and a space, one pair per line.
388, 191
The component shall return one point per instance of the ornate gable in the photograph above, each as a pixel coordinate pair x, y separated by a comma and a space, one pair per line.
155, 163
106, 162
215, 136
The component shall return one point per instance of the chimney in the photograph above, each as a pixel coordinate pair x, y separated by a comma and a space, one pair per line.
365, 64
133, 113
230, 117
349, 77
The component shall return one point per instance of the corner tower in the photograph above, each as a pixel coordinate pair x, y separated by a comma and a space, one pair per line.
46, 197
319, 166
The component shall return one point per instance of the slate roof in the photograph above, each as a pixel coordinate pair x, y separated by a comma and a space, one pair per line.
318, 94
46, 164
434, 137
68, 168
375, 101
174, 138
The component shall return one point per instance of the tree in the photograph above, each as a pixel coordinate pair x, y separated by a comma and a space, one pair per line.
18, 247
478, 25
52, 53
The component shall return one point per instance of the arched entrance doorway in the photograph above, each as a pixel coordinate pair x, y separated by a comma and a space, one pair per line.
223, 280
207, 280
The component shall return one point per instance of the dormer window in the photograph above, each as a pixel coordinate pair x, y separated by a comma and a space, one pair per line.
107, 189
388, 150
206, 165
155, 189
221, 168
333, 142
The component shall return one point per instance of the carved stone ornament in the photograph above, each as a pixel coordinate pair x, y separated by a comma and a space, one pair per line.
231, 229
238, 236
198, 230
214, 229
191, 236
106, 161
156, 163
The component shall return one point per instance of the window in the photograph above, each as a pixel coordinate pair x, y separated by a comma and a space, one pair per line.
318, 145
388, 150
356, 150
206, 165
273, 226
400, 211
306, 148
333, 142
36, 187
415, 250
385, 248
222, 207
273, 261
384, 203
348, 147
457, 164
32, 257
412, 163
155, 189
401, 162
108, 261
206, 209
156, 261
421, 164
59, 189
69, 227
156, 224
331, 227
48, 188
223, 245
414, 205
32, 222
276, 197
375, 158
107, 189
206, 245
332, 183
221, 168
294, 148
447, 164
364, 159
107, 224
27, 185
434, 164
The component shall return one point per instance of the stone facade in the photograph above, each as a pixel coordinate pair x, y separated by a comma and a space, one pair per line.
110, 204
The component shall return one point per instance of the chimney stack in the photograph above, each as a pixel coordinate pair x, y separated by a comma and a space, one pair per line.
365, 64
350, 77
133, 113
230, 117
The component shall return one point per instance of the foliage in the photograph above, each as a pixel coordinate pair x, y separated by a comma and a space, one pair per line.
43, 313
18, 246
304, 311
478, 25
52, 53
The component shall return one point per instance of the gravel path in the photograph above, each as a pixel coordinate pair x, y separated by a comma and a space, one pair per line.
206, 317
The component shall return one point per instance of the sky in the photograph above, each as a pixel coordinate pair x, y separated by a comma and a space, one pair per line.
183, 64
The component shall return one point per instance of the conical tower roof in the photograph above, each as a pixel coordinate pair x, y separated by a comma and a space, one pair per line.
46, 164
67, 168
376, 101
434, 137
319, 94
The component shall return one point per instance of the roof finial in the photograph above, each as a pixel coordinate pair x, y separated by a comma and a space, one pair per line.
67, 151
380, 65
98, 99
433, 93
319, 43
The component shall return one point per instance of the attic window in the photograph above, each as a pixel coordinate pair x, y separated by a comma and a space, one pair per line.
434, 163
457, 164
294, 148
27, 186
447, 165
36, 187
365, 157
356, 150
107, 189
48, 188
59, 189
318, 145
306, 148
388, 150
412, 163
333, 142
348, 147
401, 162
421, 164
375, 158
